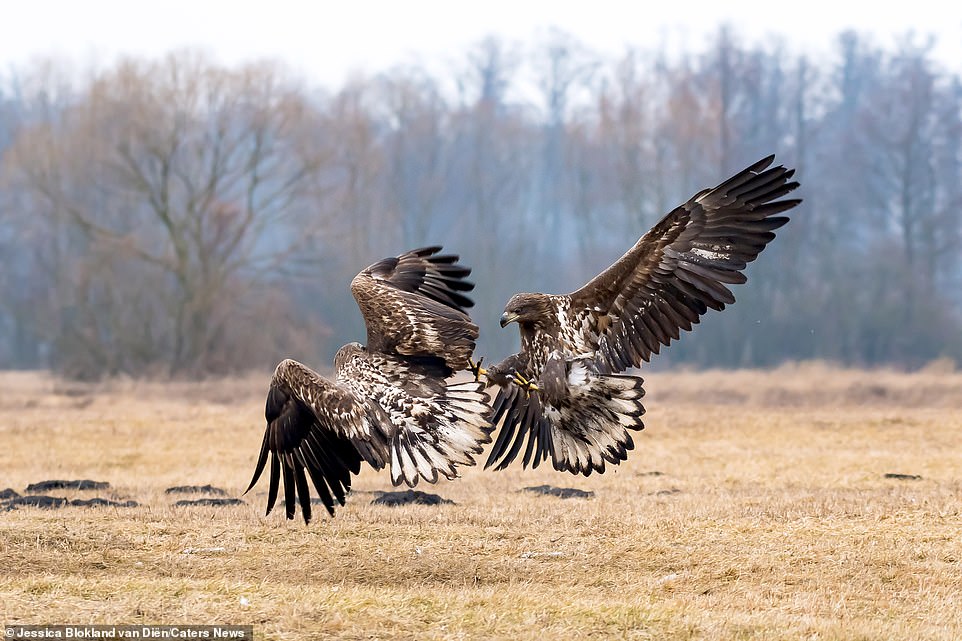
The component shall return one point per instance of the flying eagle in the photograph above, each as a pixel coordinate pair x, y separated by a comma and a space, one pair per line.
562, 395
389, 403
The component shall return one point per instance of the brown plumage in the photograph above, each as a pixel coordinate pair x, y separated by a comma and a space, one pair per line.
390, 403
574, 346
414, 305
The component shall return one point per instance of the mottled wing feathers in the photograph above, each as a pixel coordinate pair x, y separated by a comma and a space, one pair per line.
522, 425
413, 306
315, 428
680, 268
436, 435
383, 409
426, 272
432, 425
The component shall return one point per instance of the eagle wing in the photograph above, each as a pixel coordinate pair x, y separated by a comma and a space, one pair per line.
382, 409
413, 305
680, 268
318, 426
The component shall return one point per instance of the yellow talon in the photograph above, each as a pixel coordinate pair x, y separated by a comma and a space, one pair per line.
476, 369
525, 384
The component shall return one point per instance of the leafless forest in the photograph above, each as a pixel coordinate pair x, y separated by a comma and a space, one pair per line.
179, 217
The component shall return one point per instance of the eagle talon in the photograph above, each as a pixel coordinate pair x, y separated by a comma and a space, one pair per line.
524, 384
476, 369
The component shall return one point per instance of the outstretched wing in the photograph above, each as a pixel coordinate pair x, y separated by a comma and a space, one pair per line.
318, 428
680, 268
429, 273
413, 305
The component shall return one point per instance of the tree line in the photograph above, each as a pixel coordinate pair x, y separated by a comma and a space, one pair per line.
179, 217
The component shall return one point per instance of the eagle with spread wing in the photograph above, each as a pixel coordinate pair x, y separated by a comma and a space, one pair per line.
563, 395
389, 403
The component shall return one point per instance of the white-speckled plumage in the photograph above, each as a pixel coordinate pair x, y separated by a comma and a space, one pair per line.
391, 403
573, 347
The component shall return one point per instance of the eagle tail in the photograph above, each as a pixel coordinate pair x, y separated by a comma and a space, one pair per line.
581, 434
595, 427
454, 430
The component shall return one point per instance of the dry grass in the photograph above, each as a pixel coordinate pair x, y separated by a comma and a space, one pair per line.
771, 519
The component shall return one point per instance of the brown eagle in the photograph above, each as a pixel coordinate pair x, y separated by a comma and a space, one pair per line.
389, 403
562, 395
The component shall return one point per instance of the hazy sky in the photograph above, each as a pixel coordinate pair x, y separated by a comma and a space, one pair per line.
328, 40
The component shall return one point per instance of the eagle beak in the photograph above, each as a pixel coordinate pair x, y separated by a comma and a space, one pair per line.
508, 317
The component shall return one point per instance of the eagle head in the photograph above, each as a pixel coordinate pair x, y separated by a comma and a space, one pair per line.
346, 353
528, 309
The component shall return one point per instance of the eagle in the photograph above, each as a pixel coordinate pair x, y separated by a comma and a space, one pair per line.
564, 395
390, 403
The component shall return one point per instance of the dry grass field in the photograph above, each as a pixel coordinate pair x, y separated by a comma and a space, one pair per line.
755, 506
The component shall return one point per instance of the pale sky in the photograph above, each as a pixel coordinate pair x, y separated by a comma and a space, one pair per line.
327, 41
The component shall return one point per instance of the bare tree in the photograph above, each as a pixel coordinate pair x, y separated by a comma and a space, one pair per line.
628, 132
491, 169
562, 66
416, 116
186, 175
177, 216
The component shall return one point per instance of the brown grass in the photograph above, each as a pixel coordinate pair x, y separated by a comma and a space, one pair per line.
770, 519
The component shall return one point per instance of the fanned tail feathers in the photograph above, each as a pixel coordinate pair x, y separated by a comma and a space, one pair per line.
603, 412
456, 431
580, 434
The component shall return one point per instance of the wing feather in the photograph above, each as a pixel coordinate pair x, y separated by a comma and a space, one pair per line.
505, 409
317, 471
426, 272
680, 268
274, 482
312, 427
431, 425
581, 422
413, 305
